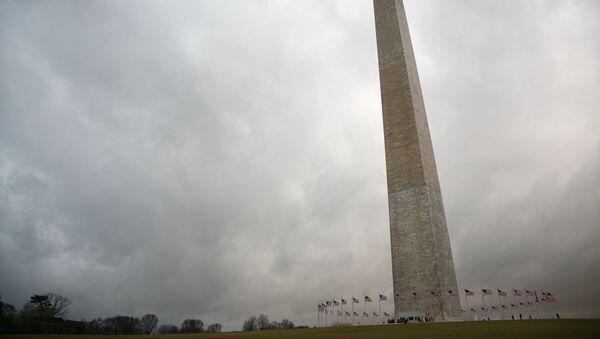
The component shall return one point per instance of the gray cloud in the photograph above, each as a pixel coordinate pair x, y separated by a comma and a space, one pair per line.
216, 159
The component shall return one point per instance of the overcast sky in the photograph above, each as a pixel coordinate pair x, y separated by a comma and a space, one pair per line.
216, 159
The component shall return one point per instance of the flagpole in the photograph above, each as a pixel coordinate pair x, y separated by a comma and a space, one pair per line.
365, 312
467, 302
500, 301
379, 308
352, 311
483, 303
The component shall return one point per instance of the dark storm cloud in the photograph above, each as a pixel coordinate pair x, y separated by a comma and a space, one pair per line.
216, 159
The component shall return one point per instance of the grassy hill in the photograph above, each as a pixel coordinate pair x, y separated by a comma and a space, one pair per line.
571, 329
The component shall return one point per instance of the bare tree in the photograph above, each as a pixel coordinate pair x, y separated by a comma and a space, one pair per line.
149, 322
192, 326
250, 324
58, 305
214, 328
286, 324
262, 322
47, 306
168, 329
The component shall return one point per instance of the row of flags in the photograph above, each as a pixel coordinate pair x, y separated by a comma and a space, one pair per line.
512, 306
547, 297
343, 301
366, 314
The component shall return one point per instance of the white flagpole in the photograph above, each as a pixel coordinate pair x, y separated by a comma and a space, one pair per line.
379, 315
483, 303
352, 311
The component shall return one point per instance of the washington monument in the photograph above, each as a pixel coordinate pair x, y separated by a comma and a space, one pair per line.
422, 265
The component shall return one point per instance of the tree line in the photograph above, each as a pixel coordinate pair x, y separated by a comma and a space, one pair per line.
46, 313
262, 323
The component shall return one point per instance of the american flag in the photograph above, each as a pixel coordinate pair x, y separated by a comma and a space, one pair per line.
518, 293
382, 297
486, 291
366, 314
397, 295
344, 302
549, 297
348, 313
367, 299
473, 310
521, 304
453, 293
434, 294
494, 307
354, 300
416, 295
385, 313
513, 305
530, 293
468, 292
375, 314
483, 308
328, 303
356, 314
502, 293
336, 303
504, 307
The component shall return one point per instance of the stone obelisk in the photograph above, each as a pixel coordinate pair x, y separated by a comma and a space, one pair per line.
421, 254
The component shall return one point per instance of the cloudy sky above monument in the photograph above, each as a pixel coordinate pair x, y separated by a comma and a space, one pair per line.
216, 159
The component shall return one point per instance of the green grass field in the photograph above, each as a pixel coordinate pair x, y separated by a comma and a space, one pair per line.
568, 329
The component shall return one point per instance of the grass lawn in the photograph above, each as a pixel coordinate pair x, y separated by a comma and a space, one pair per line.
569, 329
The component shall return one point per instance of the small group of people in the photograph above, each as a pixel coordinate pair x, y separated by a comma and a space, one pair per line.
404, 320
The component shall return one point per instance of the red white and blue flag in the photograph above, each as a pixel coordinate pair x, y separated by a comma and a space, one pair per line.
356, 314
549, 297
344, 302
366, 314
354, 300
397, 295
469, 292
453, 293
486, 291
502, 293
385, 313
367, 299
416, 295
530, 293
434, 294
348, 313
382, 297
336, 303
518, 293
